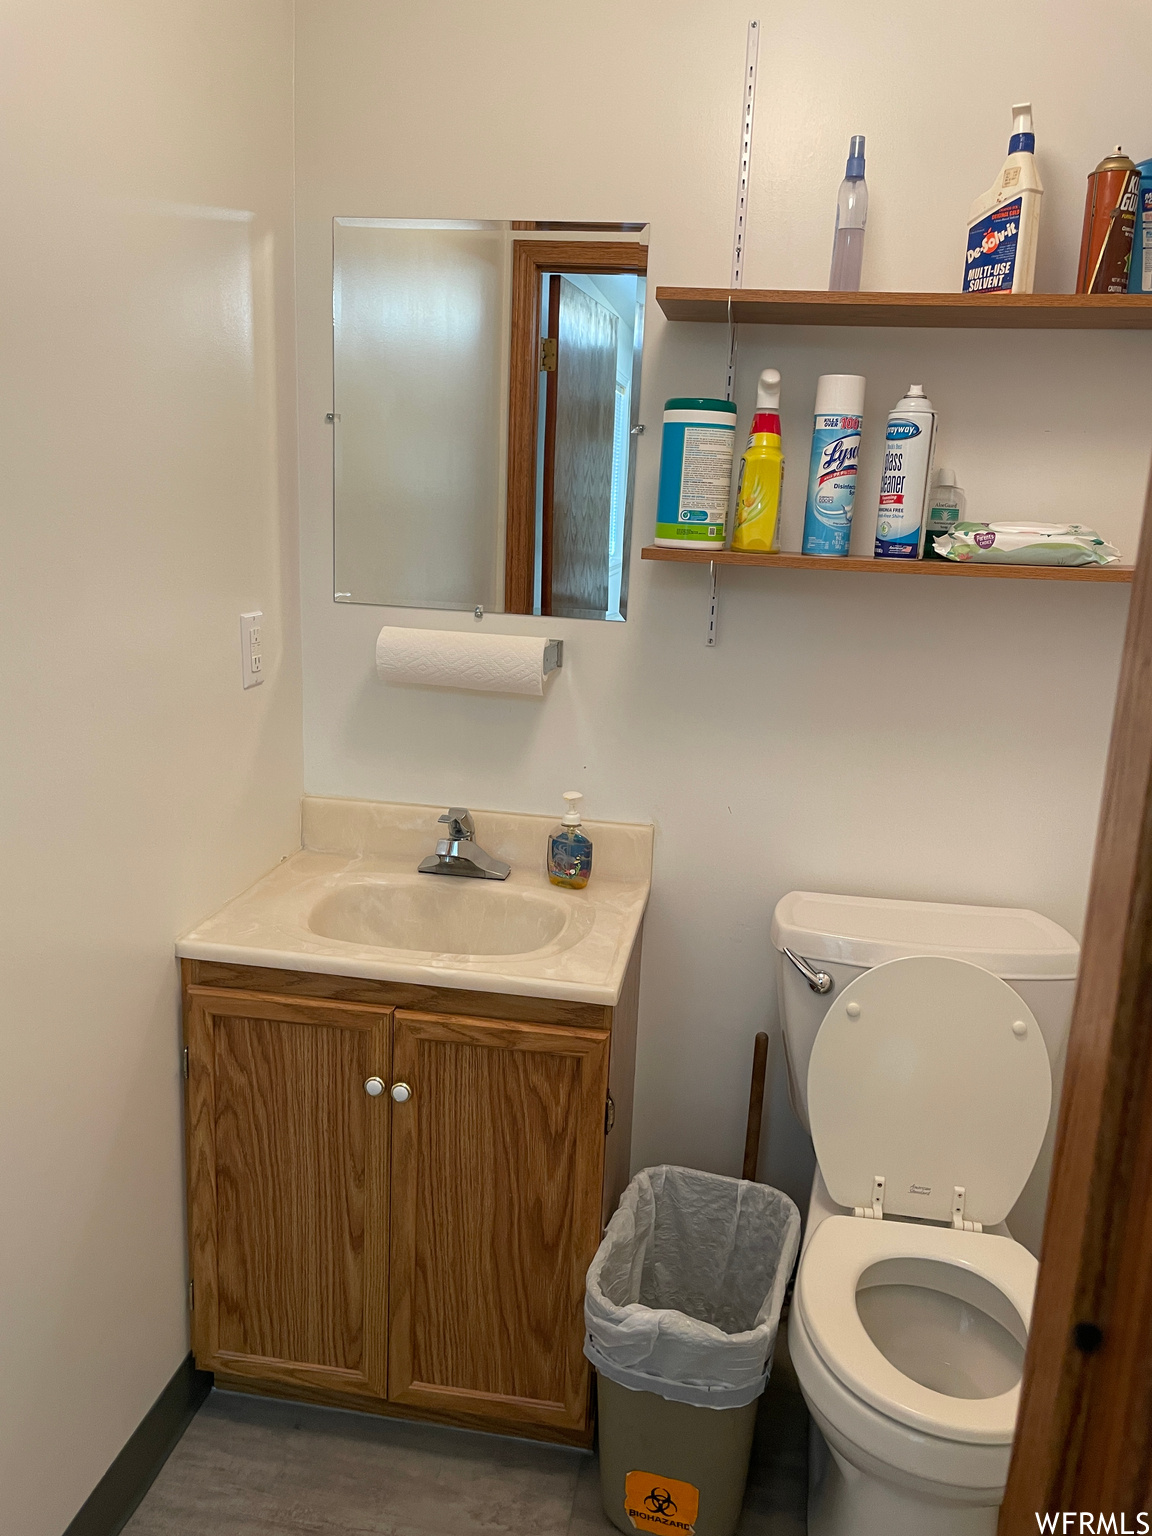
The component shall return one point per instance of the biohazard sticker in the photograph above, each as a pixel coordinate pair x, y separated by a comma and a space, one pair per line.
654, 1503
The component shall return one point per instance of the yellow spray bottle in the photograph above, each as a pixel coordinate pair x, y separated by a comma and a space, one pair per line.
761, 471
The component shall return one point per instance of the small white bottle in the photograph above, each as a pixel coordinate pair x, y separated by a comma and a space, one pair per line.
947, 505
1004, 223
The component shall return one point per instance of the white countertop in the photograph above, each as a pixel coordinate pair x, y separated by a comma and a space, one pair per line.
369, 845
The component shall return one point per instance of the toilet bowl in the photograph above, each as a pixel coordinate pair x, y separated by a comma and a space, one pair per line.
928, 1096
908, 1342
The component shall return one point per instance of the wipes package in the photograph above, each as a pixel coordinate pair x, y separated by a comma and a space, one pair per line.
1025, 544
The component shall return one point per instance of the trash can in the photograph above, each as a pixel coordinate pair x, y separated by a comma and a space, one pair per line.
681, 1307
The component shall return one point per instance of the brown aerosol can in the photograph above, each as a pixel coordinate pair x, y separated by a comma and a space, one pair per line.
1109, 223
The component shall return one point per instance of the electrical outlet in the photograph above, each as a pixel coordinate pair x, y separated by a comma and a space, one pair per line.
251, 654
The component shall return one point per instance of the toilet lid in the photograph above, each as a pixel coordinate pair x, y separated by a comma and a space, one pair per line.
835, 1260
929, 1073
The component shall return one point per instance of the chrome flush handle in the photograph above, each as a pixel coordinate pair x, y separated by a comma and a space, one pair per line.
819, 981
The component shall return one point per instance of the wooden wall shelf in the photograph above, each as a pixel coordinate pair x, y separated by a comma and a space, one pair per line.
968, 311
783, 562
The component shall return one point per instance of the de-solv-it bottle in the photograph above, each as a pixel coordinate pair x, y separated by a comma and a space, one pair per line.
761, 472
570, 847
909, 440
1004, 223
835, 457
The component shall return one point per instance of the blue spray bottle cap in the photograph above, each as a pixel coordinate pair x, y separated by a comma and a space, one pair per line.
854, 170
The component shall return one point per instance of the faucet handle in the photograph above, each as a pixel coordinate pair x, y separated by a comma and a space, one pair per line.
459, 822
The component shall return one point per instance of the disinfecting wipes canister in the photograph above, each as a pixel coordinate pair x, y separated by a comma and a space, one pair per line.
695, 472
835, 455
908, 444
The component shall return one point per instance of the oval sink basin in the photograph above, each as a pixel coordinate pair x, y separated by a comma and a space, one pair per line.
446, 916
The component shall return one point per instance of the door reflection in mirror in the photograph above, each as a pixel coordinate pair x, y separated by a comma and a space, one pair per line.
485, 399
584, 427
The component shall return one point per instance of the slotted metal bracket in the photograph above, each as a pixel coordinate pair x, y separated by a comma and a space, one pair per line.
739, 235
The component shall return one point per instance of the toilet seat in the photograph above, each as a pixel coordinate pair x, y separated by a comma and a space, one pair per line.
839, 1252
929, 1091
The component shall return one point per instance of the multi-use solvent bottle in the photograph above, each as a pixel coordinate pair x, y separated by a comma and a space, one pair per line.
1004, 223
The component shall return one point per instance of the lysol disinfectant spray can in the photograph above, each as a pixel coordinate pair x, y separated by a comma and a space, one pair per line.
835, 455
908, 444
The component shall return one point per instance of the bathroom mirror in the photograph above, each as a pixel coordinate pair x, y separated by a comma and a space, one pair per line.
486, 383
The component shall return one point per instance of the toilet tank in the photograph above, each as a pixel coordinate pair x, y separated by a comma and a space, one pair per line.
845, 935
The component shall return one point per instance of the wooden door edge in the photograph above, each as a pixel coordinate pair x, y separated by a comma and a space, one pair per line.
1084, 1430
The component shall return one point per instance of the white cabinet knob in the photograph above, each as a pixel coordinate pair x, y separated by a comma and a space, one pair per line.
374, 1087
401, 1093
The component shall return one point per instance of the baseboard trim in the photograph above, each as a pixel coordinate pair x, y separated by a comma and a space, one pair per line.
110, 1505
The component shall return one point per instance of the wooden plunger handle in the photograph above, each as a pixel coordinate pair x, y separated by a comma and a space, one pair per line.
755, 1106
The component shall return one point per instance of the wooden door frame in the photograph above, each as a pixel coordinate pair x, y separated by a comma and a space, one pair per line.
529, 259
1084, 1432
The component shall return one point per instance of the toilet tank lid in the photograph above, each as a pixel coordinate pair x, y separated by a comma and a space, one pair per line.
1011, 942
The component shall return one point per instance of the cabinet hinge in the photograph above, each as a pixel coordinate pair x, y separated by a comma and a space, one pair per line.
191, 1295
548, 350
609, 1115
185, 1063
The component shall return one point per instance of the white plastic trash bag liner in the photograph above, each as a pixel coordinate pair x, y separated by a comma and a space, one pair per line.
683, 1297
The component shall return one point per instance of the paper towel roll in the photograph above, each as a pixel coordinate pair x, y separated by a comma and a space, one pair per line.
438, 658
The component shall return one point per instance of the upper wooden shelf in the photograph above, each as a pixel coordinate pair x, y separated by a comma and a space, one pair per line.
887, 567
969, 311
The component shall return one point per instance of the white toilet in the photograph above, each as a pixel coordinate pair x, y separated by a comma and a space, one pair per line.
923, 1045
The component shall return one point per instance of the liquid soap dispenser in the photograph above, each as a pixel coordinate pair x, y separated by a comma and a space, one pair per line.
570, 847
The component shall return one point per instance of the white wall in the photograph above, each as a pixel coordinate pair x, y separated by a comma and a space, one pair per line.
148, 490
918, 738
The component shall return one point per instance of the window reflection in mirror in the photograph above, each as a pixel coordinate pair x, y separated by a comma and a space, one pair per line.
486, 387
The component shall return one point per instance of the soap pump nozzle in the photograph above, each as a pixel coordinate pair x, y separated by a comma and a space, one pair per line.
572, 799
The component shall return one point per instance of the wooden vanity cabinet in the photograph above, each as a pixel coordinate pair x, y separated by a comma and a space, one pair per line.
424, 1258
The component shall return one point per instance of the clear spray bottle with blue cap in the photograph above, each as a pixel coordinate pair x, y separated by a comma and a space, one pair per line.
851, 216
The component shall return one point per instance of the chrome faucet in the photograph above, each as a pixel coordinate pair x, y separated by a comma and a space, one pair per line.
459, 854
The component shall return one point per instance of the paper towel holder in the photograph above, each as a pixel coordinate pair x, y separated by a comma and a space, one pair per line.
553, 656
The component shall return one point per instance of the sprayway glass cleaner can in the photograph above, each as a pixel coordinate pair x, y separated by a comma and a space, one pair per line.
835, 456
908, 443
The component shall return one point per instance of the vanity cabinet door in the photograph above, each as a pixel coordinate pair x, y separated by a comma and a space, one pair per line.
288, 1189
497, 1165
